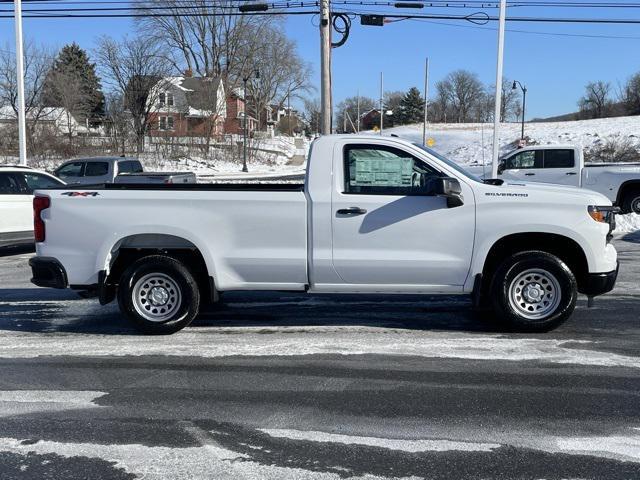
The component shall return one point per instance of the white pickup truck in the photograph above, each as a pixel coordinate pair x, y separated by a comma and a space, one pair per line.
565, 165
376, 215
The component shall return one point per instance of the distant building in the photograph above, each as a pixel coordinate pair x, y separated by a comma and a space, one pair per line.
370, 119
187, 106
236, 108
56, 119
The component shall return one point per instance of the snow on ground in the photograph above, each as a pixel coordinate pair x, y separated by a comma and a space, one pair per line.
472, 143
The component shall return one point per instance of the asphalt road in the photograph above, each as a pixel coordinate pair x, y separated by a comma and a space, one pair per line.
276, 386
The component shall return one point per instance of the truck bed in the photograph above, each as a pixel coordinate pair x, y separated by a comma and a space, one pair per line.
250, 236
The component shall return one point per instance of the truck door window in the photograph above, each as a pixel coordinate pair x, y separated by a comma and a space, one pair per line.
96, 169
526, 159
36, 181
383, 170
559, 159
70, 170
129, 166
9, 185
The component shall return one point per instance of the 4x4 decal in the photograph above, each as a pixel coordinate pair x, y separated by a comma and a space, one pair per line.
81, 194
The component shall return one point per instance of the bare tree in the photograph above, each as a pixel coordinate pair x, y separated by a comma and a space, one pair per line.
66, 89
631, 95
463, 92
510, 108
283, 75
312, 114
37, 62
117, 121
392, 102
205, 39
135, 68
596, 101
347, 112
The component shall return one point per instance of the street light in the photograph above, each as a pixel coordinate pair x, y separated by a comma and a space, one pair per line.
245, 79
516, 83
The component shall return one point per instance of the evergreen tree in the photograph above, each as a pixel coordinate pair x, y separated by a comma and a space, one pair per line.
73, 68
411, 107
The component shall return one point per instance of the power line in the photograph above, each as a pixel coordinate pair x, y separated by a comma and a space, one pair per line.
531, 32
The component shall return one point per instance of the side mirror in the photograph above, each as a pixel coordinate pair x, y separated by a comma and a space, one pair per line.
501, 167
446, 187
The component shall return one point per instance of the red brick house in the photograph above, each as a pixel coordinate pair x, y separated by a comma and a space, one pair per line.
234, 122
187, 107
370, 119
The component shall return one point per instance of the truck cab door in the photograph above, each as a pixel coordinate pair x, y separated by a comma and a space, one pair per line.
561, 167
387, 233
523, 166
16, 210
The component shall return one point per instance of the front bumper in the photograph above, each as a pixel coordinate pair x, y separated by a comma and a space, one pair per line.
599, 283
48, 272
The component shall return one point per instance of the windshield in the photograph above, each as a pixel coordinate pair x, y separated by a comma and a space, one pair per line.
458, 168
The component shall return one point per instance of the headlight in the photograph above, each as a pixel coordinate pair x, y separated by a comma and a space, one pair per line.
597, 213
605, 214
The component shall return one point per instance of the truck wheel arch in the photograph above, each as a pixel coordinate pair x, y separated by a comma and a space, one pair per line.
565, 248
133, 247
625, 188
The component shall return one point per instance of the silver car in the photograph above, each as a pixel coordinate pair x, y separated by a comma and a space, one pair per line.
98, 170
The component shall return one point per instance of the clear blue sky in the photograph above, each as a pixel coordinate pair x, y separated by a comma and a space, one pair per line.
555, 68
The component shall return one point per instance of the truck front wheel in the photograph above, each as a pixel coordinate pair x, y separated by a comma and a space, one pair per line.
158, 295
533, 291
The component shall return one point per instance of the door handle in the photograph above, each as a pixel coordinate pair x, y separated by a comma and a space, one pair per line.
571, 173
529, 174
351, 211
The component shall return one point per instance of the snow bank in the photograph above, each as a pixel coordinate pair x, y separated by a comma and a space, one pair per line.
627, 224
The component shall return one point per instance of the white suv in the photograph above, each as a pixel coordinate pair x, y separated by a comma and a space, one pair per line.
16, 197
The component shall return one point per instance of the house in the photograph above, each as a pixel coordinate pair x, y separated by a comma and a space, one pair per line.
370, 119
234, 123
187, 106
55, 119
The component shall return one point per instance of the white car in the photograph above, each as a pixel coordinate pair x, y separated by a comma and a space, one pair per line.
376, 215
16, 202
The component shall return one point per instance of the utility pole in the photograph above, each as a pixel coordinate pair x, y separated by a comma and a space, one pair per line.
244, 130
289, 113
325, 67
496, 114
426, 101
381, 101
358, 102
22, 123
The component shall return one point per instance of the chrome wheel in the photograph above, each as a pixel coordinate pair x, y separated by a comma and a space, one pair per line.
156, 297
535, 294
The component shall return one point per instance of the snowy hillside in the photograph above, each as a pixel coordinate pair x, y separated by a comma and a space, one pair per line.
472, 144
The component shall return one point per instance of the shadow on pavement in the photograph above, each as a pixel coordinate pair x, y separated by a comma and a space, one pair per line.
261, 309
55, 311
633, 237
17, 250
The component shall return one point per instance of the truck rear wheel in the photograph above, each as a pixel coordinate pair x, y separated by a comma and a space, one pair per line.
158, 295
631, 202
533, 291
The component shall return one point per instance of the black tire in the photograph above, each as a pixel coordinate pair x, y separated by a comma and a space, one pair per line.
631, 202
524, 292
174, 285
